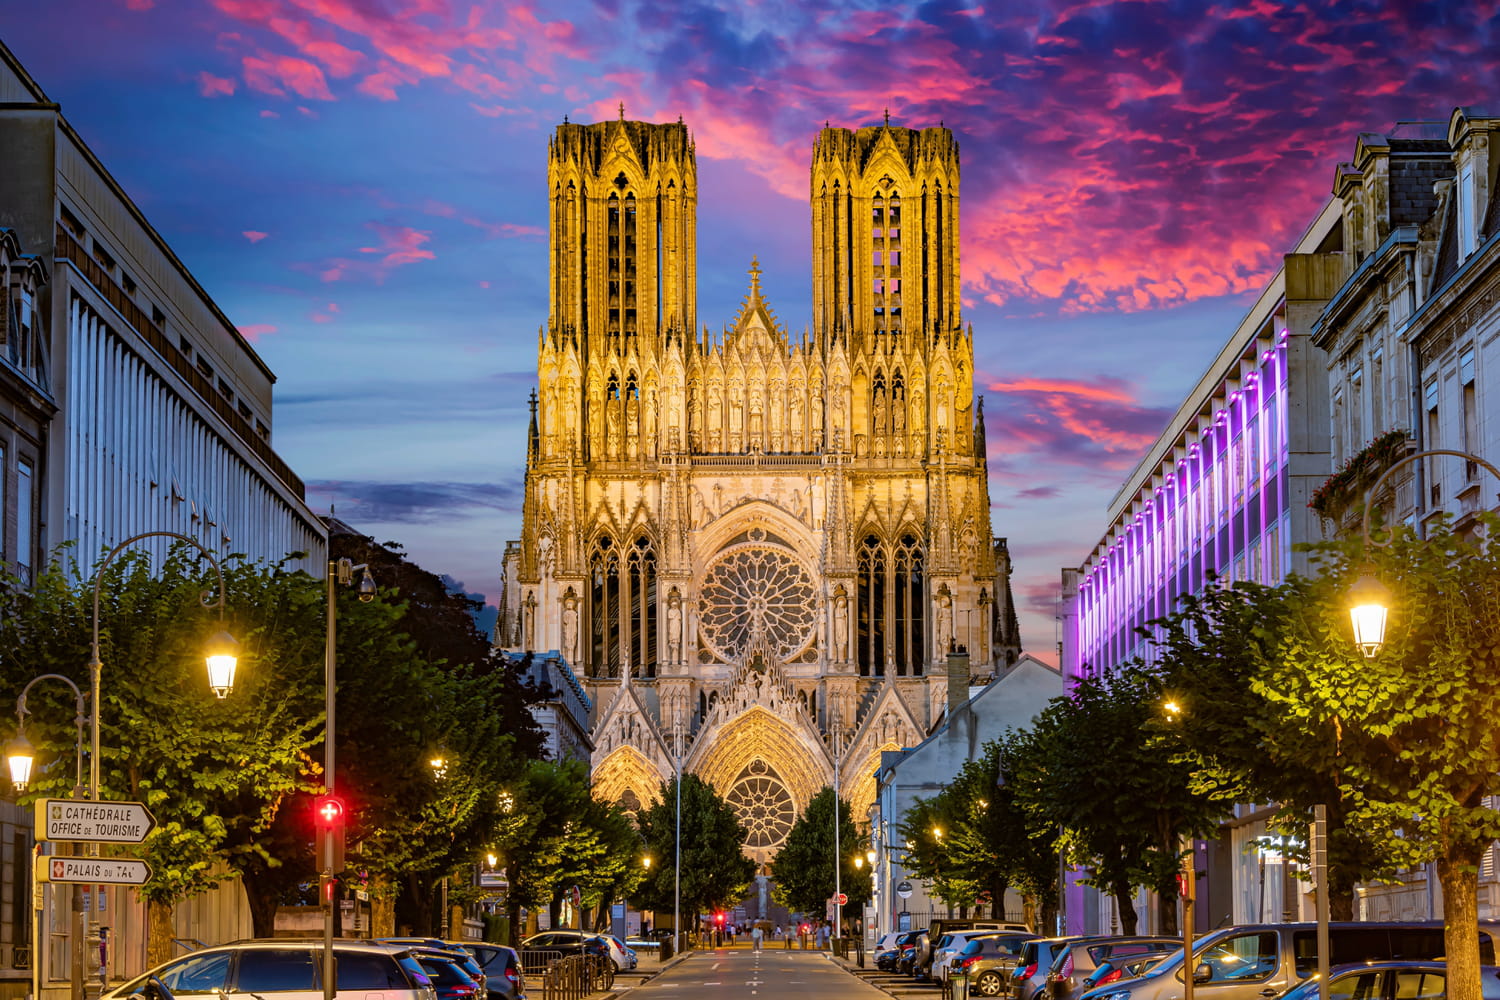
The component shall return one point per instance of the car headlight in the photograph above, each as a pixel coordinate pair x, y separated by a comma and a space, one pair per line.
1116, 995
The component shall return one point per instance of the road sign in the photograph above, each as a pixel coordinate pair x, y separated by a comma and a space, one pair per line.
83, 821
903, 889
842, 899
113, 871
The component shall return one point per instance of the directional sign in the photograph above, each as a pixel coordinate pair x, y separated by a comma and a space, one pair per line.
83, 821
113, 871
903, 889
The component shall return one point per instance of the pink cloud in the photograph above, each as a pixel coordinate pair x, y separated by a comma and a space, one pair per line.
326, 314
254, 331
1098, 423
268, 113
214, 86
399, 245
253, 235
275, 75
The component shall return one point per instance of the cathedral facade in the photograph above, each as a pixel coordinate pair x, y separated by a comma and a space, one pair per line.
756, 549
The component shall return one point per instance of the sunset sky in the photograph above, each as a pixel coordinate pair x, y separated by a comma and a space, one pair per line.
360, 184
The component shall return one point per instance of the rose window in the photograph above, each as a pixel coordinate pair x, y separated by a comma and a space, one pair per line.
763, 804
757, 587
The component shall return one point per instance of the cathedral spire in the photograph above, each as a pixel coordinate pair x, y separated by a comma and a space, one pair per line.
754, 273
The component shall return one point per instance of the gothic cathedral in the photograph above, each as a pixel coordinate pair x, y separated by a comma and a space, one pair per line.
756, 549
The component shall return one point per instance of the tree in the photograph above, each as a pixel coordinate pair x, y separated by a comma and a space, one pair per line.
715, 871
922, 829
1416, 746
215, 773
1216, 652
804, 866
1120, 793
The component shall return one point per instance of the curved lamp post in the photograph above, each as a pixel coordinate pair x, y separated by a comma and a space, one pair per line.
19, 756
1369, 599
222, 656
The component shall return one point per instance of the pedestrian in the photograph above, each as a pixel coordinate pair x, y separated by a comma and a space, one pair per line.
755, 937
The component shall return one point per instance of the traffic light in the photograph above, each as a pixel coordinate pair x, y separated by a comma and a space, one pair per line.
719, 919
328, 817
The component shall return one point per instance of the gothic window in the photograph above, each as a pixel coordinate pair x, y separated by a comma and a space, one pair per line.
622, 608
642, 582
628, 254
892, 603
604, 609
764, 805
757, 587
629, 803
612, 245
613, 390
632, 391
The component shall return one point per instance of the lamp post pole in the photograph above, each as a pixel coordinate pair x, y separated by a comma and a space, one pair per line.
19, 755
340, 571
677, 848
224, 651
838, 858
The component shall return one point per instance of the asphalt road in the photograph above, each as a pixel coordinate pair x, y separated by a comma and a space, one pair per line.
740, 973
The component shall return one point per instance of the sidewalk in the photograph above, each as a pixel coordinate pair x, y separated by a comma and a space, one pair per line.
642, 974
901, 987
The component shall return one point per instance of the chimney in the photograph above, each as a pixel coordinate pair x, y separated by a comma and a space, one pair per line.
958, 678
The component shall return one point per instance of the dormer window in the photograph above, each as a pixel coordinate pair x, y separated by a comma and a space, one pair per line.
1466, 211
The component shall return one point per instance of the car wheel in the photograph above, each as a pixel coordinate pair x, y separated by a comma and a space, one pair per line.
988, 984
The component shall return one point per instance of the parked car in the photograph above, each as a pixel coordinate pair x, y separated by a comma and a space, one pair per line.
1260, 960
945, 959
454, 950
1121, 967
1029, 974
449, 978
289, 968
502, 969
568, 942
992, 964
886, 951
907, 951
623, 955
1078, 960
1403, 980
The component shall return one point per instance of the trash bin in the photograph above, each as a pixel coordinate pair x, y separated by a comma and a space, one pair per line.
960, 981
665, 951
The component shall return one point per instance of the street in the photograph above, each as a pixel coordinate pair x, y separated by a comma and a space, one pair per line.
741, 972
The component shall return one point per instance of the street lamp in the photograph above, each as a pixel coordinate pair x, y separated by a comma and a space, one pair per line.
221, 659
341, 572
677, 843
1369, 598
19, 755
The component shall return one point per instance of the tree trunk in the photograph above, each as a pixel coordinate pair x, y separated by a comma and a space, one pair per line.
382, 907
1125, 903
1166, 915
158, 932
1028, 912
261, 899
1458, 873
456, 916
1048, 918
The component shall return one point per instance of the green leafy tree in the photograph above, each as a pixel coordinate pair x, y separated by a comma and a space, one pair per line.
1216, 653
715, 871
214, 773
804, 866
1417, 748
925, 830
1119, 791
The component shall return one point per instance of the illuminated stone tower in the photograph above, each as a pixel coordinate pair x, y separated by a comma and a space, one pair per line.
765, 544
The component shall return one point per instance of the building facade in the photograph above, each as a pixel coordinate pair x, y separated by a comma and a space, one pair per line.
1408, 341
756, 549
128, 403
1222, 495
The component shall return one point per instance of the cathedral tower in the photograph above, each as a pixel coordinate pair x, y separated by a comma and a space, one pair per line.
755, 547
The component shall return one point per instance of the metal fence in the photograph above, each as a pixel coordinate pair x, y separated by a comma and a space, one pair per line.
576, 977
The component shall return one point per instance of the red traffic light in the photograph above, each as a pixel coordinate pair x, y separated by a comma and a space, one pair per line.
328, 811
806, 928
719, 918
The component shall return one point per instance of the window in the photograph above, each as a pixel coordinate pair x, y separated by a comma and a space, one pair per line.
1377, 393
127, 283
622, 608
368, 970
1434, 439
102, 256
1470, 412
198, 973
1466, 212
244, 410
1241, 958
25, 503
160, 319
276, 970
1412, 985
891, 613
1360, 986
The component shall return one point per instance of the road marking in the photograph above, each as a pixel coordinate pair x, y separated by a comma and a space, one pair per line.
713, 984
